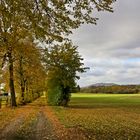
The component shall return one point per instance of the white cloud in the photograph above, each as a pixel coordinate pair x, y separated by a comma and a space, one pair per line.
112, 48
121, 71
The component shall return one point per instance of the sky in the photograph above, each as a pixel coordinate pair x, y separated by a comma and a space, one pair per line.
112, 47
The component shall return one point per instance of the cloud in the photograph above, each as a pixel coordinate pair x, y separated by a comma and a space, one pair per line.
112, 48
121, 71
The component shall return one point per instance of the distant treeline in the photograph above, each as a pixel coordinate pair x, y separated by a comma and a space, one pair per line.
115, 89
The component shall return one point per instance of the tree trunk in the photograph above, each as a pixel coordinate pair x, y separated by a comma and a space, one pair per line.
27, 91
26, 88
65, 96
22, 81
11, 79
22, 93
0, 102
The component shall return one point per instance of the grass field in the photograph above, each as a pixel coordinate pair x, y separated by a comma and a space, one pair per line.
103, 116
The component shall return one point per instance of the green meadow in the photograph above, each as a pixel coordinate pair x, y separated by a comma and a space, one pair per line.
112, 100
103, 116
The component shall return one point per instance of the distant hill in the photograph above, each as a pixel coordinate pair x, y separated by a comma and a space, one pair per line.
111, 88
102, 84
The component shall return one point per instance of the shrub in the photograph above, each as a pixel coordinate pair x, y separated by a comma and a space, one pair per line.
54, 95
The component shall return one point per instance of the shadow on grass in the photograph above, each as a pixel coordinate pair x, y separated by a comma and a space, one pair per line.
100, 106
15, 137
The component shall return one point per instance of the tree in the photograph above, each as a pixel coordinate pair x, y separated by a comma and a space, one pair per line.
44, 20
29, 72
29, 68
62, 64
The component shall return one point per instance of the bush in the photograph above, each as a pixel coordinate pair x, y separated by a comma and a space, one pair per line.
58, 97
54, 95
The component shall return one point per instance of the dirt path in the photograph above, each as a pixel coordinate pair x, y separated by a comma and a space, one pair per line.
9, 131
37, 121
43, 128
31, 124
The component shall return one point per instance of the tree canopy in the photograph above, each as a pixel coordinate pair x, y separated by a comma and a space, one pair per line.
62, 62
43, 20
